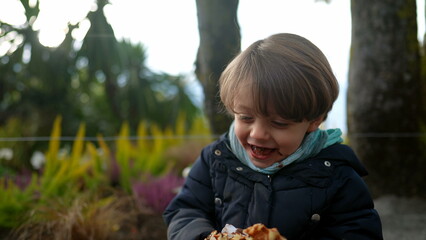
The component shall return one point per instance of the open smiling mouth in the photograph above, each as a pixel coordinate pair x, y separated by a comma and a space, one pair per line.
261, 151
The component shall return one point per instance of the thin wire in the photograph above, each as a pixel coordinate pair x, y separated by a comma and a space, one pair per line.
388, 135
112, 138
115, 138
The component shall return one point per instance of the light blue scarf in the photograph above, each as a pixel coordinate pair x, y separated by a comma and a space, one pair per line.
313, 143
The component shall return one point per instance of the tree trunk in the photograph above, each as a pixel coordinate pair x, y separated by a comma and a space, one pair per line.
423, 75
220, 41
384, 96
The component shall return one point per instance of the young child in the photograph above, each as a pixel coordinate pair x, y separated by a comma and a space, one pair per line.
275, 166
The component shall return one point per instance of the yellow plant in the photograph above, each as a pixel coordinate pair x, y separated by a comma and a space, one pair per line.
85, 169
64, 175
123, 156
98, 167
149, 154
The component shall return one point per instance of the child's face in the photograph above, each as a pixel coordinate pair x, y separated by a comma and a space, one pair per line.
267, 139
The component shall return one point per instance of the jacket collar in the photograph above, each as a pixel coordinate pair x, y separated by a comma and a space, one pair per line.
339, 154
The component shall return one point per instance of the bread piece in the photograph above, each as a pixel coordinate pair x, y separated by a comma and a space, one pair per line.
261, 232
256, 232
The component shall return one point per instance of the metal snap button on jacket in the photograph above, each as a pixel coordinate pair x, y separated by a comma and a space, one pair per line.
316, 217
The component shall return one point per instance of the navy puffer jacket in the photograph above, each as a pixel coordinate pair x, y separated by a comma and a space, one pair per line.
323, 197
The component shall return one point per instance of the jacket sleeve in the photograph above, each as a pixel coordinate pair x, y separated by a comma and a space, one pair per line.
190, 214
350, 213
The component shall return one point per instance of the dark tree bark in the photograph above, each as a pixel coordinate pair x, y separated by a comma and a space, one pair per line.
384, 96
220, 41
423, 74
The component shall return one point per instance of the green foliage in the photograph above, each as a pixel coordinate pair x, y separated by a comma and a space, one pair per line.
63, 177
15, 201
104, 83
17, 128
85, 170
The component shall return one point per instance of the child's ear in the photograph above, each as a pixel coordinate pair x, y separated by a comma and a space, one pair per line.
314, 124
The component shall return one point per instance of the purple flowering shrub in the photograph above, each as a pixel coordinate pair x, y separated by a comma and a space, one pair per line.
157, 192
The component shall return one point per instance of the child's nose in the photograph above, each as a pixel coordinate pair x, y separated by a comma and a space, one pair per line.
259, 131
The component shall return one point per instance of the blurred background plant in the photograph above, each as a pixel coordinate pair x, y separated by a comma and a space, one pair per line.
81, 185
85, 218
95, 79
89, 187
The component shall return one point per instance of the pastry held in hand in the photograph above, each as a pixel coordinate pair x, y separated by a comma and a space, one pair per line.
256, 232
261, 232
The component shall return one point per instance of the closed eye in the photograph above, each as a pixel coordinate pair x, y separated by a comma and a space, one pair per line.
245, 118
280, 124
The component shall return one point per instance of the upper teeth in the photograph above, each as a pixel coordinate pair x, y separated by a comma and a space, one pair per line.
258, 150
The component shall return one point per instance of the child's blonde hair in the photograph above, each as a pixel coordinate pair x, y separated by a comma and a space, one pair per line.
285, 71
